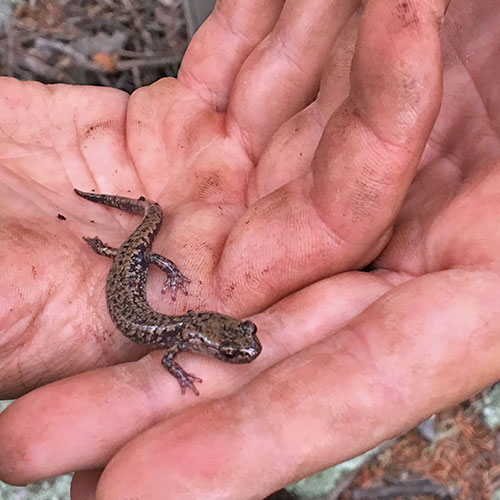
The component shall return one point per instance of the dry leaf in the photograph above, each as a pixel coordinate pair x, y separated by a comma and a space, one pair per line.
106, 61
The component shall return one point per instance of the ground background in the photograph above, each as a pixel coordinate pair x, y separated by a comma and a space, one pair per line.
130, 43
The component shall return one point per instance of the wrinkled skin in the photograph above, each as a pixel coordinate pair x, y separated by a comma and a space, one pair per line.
274, 199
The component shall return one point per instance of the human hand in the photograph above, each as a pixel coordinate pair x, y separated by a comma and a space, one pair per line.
344, 227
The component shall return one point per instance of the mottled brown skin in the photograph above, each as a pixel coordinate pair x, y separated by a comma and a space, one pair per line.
217, 335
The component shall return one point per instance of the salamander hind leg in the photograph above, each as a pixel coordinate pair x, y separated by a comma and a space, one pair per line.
185, 379
175, 280
101, 248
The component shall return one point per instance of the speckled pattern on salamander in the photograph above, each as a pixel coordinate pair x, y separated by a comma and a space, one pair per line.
217, 335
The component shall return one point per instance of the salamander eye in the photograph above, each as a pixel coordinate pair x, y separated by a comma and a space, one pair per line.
228, 349
248, 327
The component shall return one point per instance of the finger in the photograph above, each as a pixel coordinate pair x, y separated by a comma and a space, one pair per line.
84, 484
82, 421
230, 33
341, 213
291, 149
423, 346
282, 75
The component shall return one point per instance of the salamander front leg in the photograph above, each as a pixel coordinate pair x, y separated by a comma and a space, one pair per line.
101, 248
185, 379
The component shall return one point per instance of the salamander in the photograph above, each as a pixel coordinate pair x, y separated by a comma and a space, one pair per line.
223, 337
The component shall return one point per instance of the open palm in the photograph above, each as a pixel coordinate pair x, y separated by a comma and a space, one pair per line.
267, 190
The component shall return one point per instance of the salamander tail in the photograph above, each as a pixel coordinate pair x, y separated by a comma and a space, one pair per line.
133, 205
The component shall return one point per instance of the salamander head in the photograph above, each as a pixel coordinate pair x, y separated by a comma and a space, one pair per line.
222, 337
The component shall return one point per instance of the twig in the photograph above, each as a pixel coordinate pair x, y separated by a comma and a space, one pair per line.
129, 64
77, 57
417, 487
40, 68
10, 58
345, 482
149, 62
342, 485
136, 76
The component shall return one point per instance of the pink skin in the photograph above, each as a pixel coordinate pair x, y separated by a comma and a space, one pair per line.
274, 198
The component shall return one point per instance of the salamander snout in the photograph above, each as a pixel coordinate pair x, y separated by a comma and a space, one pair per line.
241, 345
249, 347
